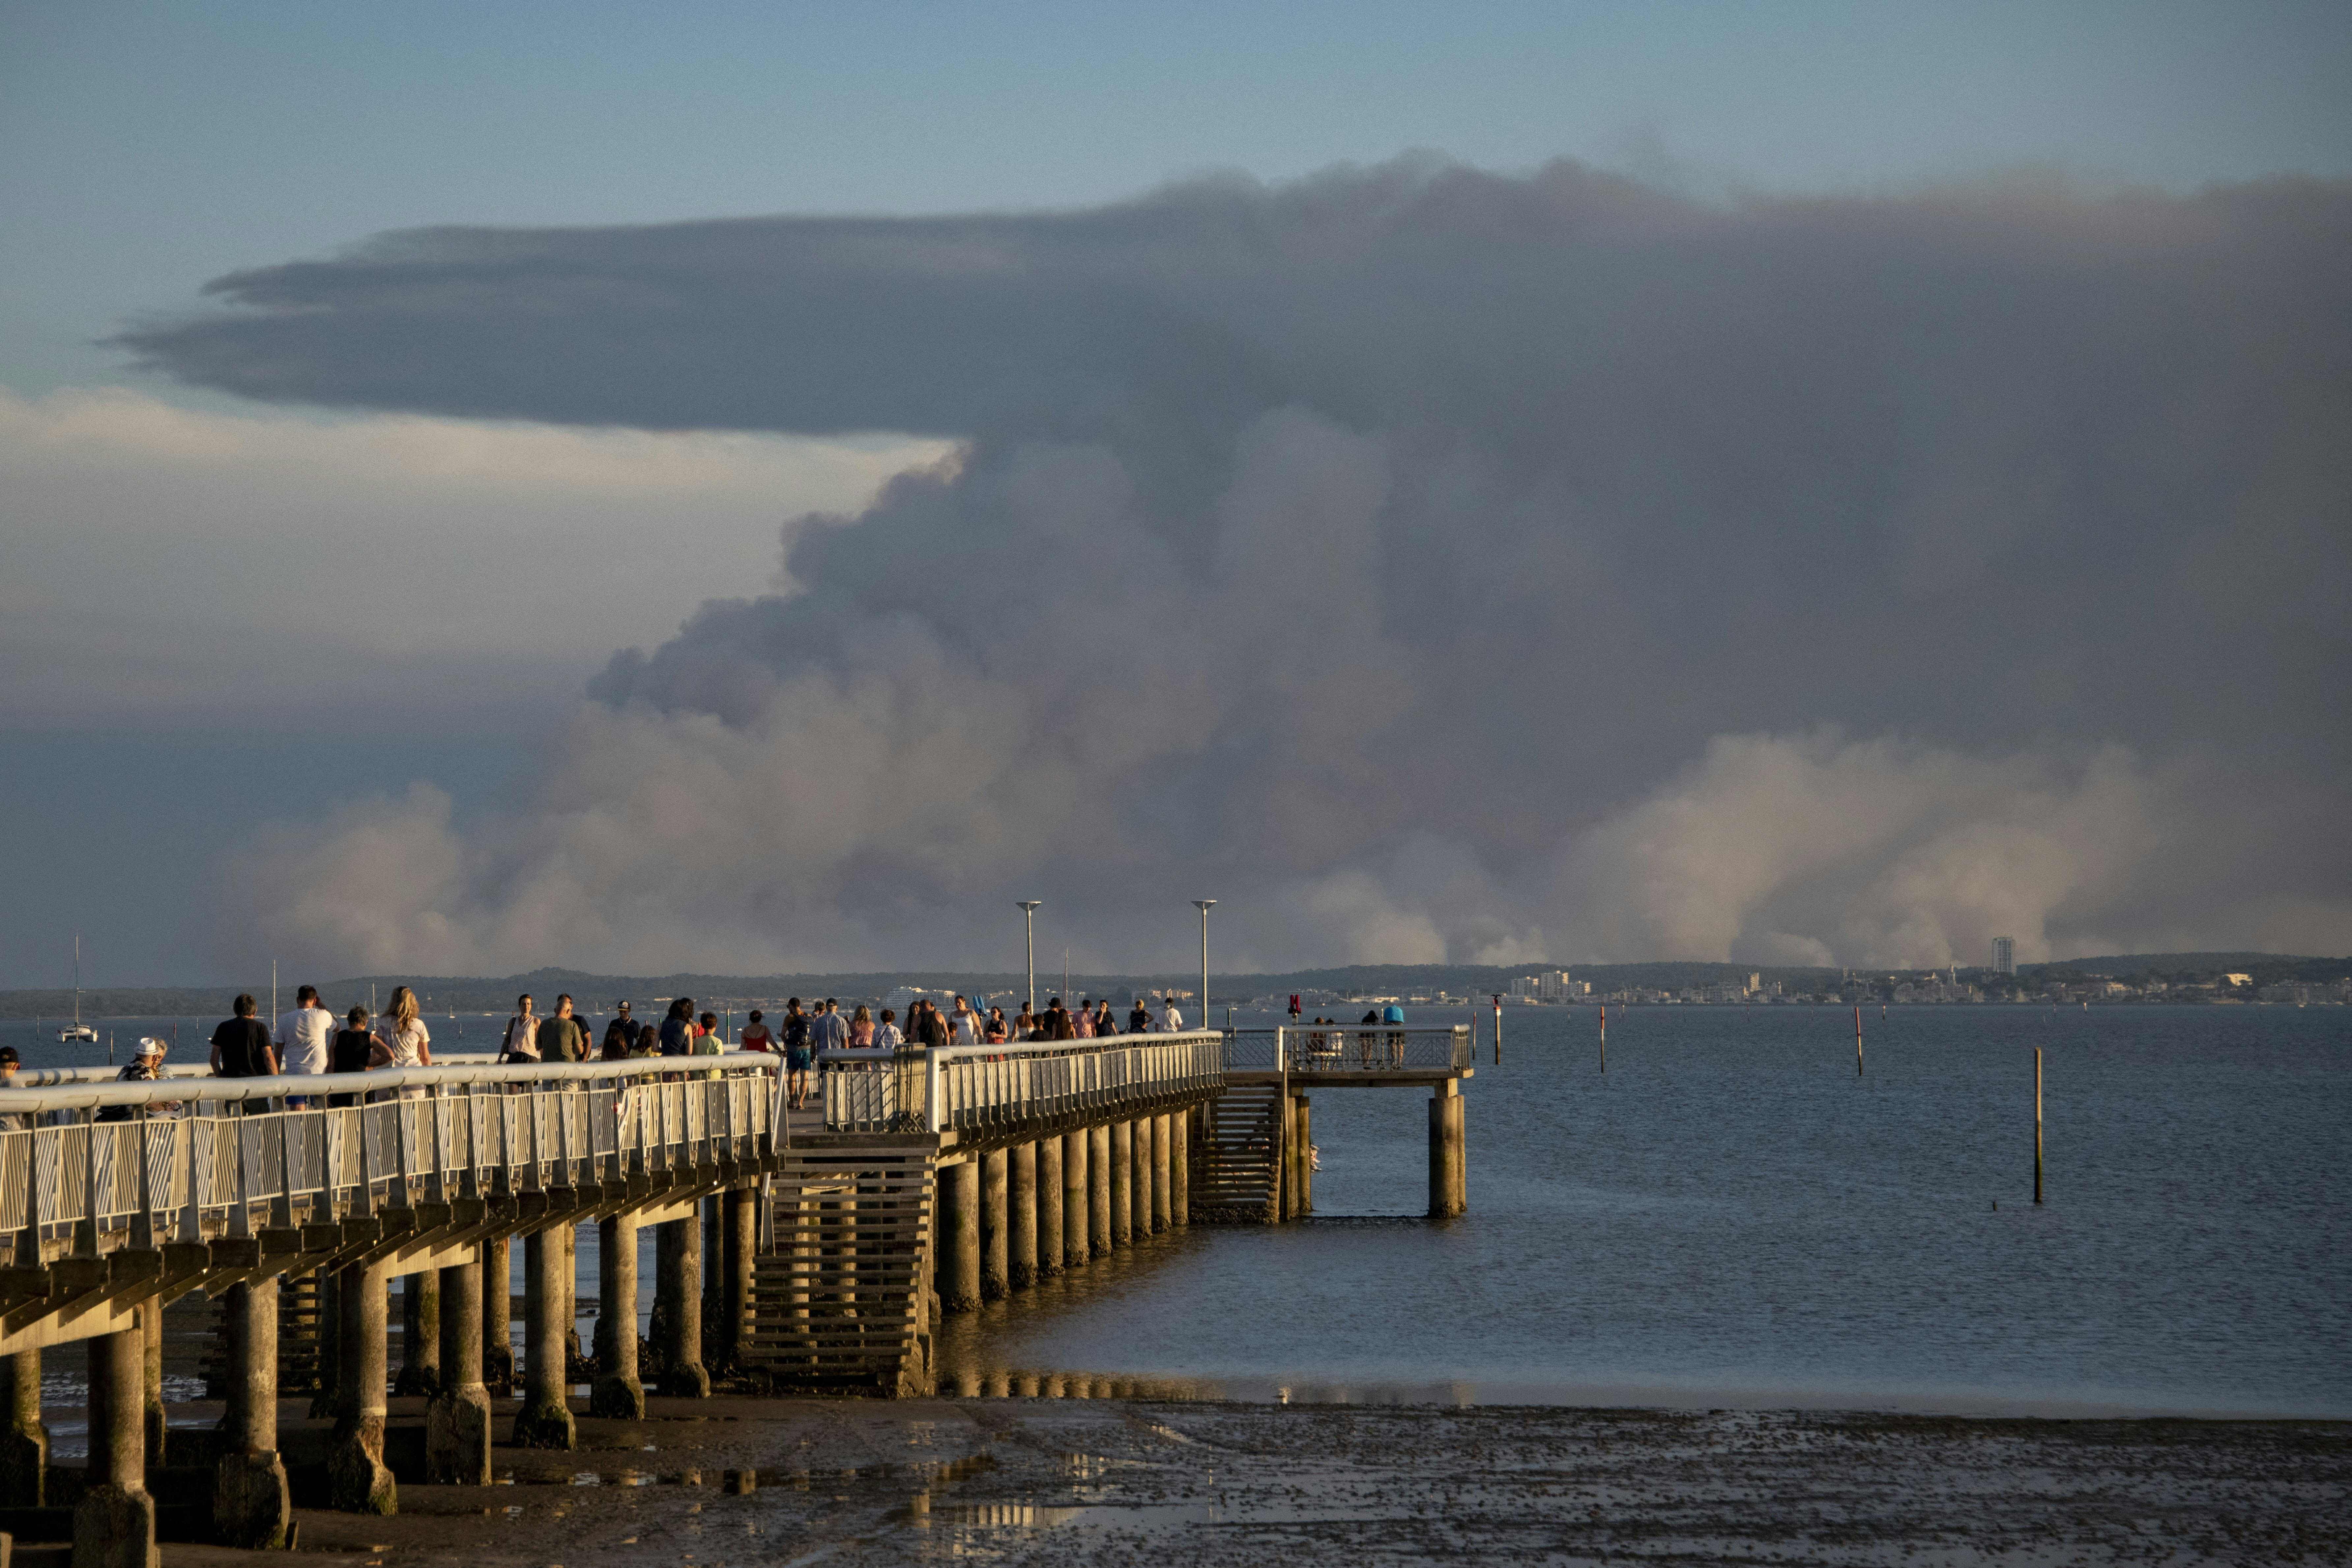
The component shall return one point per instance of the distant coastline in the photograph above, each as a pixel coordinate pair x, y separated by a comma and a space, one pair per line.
2172, 979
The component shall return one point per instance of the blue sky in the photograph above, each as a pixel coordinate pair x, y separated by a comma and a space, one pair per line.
187, 580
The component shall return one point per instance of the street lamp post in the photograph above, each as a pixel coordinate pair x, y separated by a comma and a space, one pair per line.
1203, 905
1029, 908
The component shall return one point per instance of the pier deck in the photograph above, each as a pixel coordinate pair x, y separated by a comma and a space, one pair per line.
819, 1246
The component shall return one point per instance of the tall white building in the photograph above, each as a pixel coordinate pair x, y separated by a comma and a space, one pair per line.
2004, 955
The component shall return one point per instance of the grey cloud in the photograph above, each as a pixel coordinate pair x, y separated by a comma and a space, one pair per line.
1388, 547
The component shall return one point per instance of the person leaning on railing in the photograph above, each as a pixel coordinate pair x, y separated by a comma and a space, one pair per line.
144, 1067
241, 1048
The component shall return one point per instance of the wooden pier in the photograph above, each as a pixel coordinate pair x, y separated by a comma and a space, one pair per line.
925, 1183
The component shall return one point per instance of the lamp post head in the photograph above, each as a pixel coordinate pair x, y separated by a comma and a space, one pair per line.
1031, 905
1203, 904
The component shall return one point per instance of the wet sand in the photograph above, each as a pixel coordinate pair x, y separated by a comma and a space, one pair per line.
1124, 1481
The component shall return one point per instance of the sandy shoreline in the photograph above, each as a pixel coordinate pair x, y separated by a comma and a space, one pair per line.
1127, 1480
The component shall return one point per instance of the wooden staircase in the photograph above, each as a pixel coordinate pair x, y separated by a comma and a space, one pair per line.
1237, 1164
842, 1298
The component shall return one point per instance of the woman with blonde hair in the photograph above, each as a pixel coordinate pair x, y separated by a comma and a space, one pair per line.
861, 1029
400, 1039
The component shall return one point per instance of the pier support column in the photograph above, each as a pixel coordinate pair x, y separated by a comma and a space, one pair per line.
1302, 1136
1180, 1168
457, 1422
114, 1523
1448, 1181
617, 1392
678, 1308
251, 1505
959, 1237
1139, 1194
24, 1442
1163, 1135
995, 1225
545, 1419
1049, 1206
1098, 1191
420, 1334
357, 1480
1123, 1184
1021, 1202
150, 1381
1076, 1202
498, 1315
742, 1224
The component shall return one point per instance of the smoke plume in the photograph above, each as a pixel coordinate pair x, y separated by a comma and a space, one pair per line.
1427, 564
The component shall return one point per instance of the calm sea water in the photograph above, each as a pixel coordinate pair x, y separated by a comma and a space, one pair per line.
1729, 1217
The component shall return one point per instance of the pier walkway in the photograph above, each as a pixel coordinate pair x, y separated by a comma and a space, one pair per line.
807, 1249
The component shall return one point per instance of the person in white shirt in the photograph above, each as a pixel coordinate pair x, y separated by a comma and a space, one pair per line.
887, 1033
1170, 1019
965, 1023
304, 1034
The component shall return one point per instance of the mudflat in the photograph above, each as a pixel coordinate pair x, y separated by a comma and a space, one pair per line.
1130, 1480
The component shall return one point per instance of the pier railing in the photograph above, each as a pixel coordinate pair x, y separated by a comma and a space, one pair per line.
1366, 1048
90, 1167
979, 1088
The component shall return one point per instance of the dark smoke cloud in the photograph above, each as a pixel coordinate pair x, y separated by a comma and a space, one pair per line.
1428, 562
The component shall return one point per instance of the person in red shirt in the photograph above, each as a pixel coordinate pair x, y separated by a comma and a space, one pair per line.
755, 1036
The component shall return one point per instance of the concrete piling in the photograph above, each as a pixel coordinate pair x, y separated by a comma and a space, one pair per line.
617, 1392
1021, 1205
1303, 1141
1180, 1168
1123, 1184
1140, 1192
677, 1309
457, 1421
114, 1523
1098, 1190
1163, 1134
959, 1237
1050, 1194
1448, 1181
25, 1441
150, 1380
498, 1315
545, 1419
1078, 1203
742, 1230
357, 1479
995, 1225
420, 1334
251, 1505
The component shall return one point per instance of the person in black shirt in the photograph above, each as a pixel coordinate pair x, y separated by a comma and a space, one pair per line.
353, 1049
1138, 1019
241, 1045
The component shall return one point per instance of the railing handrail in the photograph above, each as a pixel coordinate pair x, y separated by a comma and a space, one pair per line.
174, 1090
1018, 1048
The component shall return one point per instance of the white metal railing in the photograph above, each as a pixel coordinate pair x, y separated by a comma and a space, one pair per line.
87, 1164
1366, 1048
975, 1088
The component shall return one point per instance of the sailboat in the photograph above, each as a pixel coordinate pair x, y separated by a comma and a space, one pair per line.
80, 1031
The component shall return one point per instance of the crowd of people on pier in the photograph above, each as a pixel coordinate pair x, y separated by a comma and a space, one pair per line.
310, 1038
